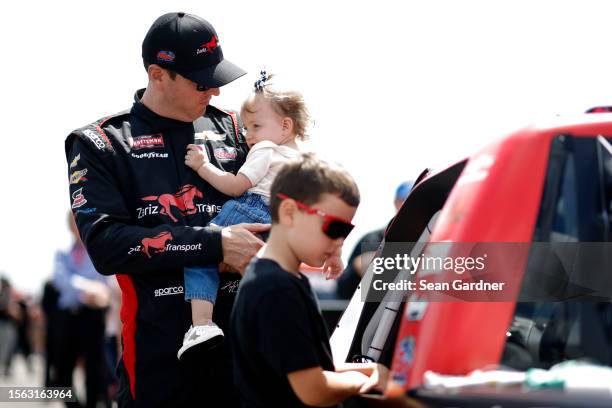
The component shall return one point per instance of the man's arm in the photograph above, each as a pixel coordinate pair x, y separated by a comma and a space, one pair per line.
116, 245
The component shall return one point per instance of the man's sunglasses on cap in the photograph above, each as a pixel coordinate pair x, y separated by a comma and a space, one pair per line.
334, 227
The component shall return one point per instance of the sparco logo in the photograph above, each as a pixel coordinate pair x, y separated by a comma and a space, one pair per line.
182, 200
172, 290
148, 142
150, 155
160, 243
95, 138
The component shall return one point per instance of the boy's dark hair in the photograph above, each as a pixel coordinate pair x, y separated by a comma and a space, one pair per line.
307, 178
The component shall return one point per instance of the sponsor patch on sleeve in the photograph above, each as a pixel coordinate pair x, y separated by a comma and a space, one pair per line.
77, 176
95, 137
162, 242
78, 199
75, 161
86, 211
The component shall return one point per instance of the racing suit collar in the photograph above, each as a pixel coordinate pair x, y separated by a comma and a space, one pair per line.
161, 122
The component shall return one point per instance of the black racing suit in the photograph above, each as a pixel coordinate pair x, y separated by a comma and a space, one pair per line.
141, 214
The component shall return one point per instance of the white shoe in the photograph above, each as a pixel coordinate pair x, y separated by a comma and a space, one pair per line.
205, 337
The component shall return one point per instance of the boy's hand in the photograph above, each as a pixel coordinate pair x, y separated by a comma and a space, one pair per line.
377, 380
196, 157
333, 267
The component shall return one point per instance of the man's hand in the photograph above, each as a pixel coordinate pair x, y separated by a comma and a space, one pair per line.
240, 245
195, 157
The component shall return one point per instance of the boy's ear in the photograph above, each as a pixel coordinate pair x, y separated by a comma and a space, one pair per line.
286, 212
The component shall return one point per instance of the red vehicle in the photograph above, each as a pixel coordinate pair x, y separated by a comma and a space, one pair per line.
546, 192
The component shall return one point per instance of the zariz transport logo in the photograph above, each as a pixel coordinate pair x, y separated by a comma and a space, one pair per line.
162, 242
182, 202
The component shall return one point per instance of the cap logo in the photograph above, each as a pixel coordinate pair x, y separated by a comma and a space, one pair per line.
165, 56
208, 47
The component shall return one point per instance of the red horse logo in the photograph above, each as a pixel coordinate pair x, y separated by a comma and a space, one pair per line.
211, 45
157, 243
183, 200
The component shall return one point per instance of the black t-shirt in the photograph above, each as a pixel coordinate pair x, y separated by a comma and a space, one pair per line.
276, 329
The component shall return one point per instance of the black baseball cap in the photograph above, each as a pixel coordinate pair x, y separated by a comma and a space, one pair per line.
189, 45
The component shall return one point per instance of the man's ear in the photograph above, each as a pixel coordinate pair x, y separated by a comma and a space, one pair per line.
286, 212
156, 74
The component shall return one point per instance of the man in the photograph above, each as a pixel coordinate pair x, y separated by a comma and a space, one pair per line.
141, 212
82, 305
364, 250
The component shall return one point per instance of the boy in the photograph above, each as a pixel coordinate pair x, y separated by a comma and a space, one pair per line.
280, 344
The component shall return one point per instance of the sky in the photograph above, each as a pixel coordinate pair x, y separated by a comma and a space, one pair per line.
393, 87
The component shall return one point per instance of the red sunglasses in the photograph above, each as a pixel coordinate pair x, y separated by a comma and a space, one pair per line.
334, 227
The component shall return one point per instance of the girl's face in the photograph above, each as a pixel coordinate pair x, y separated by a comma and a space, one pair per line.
263, 123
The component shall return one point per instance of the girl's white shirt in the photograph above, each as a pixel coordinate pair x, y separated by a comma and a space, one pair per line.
263, 163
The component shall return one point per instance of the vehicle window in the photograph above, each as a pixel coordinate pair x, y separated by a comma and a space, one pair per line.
572, 208
605, 161
565, 226
564, 263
